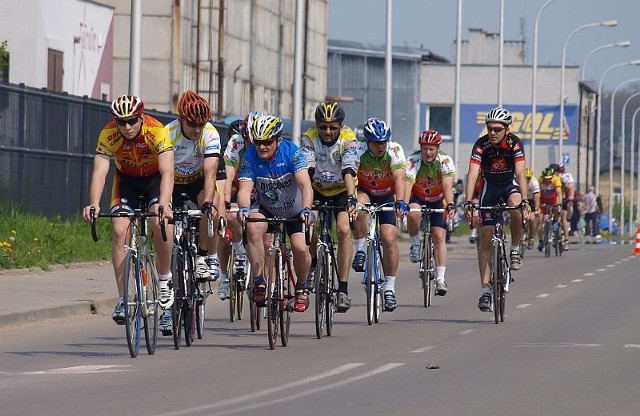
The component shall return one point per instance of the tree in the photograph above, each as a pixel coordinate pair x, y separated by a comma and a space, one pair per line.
4, 62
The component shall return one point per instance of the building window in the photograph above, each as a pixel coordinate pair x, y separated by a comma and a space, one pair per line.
55, 71
440, 119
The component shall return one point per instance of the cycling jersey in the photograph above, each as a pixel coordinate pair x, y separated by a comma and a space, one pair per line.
375, 174
534, 188
567, 180
276, 188
498, 163
233, 154
426, 178
548, 190
190, 154
138, 157
330, 161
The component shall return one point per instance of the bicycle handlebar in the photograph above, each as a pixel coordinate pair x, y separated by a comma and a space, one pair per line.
278, 220
130, 215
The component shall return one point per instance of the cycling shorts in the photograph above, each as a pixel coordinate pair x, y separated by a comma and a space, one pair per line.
337, 200
438, 219
491, 196
126, 190
191, 189
384, 217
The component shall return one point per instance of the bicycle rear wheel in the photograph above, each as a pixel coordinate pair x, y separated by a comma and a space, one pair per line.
331, 297
547, 239
369, 284
201, 304
132, 315
274, 293
233, 293
496, 280
179, 287
189, 312
150, 286
557, 241
321, 291
285, 306
378, 285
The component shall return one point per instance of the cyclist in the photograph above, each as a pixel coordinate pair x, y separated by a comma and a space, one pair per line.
430, 175
143, 156
279, 172
331, 151
473, 234
550, 194
568, 197
381, 179
238, 144
499, 157
533, 197
196, 145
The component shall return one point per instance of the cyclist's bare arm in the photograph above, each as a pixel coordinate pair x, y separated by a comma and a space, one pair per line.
166, 167
244, 193
101, 165
210, 173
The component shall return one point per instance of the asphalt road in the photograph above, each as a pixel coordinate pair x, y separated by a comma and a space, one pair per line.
570, 345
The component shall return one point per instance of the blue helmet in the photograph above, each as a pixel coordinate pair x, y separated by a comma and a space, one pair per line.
376, 130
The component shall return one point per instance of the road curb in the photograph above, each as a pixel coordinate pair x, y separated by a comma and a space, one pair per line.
79, 308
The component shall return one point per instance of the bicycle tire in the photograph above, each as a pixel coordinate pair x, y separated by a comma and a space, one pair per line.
430, 272
233, 293
496, 280
557, 242
189, 314
370, 284
502, 295
273, 298
285, 306
320, 291
177, 271
378, 285
201, 305
547, 239
242, 288
152, 308
132, 318
332, 294
254, 311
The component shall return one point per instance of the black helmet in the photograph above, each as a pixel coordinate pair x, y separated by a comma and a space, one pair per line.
329, 111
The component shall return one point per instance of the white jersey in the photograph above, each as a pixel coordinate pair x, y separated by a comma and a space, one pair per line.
189, 154
534, 188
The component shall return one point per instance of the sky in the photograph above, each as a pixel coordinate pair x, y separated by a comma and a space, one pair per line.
431, 24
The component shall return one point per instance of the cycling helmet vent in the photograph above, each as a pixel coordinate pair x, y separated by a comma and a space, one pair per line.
499, 115
127, 106
194, 108
377, 130
329, 111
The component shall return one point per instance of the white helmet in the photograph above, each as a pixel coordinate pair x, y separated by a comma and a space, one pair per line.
499, 115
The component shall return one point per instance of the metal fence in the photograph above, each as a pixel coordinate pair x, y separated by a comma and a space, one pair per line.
47, 143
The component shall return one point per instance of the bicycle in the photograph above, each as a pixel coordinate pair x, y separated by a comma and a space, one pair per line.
552, 231
373, 277
280, 279
189, 306
238, 271
500, 271
140, 278
427, 267
326, 270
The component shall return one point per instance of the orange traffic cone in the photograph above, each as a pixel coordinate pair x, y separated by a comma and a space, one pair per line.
636, 251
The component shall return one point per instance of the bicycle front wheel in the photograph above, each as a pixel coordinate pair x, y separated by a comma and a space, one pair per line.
496, 280
233, 292
189, 312
547, 239
321, 291
201, 304
378, 284
369, 284
274, 292
132, 313
285, 306
429, 274
150, 287
179, 287
331, 297
502, 293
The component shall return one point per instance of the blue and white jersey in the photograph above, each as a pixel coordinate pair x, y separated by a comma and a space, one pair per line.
274, 181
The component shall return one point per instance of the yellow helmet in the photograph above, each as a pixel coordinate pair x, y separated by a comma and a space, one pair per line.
528, 173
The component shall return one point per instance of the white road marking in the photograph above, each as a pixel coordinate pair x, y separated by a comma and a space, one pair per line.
523, 305
601, 270
561, 286
588, 274
82, 369
543, 295
466, 331
279, 394
423, 349
278, 389
611, 265
576, 281
637, 346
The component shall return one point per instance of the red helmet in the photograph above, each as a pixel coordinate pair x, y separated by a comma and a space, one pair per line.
430, 137
193, 108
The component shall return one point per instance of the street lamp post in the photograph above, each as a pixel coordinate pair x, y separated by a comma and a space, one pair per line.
611, 136
623, 44
534, 71
599, 128
633, 137
606, 23
622, 164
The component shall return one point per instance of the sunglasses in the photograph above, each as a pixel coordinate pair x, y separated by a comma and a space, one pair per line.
129, 121
495, 129
194, 125
323, 127
264, 143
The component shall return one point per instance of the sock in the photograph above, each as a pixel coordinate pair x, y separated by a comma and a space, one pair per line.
239, 247
224, 276
202, 252
440, 273
164, 276
486, 289
415, 240
390, 283
515, 248
359, 243
342, 287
